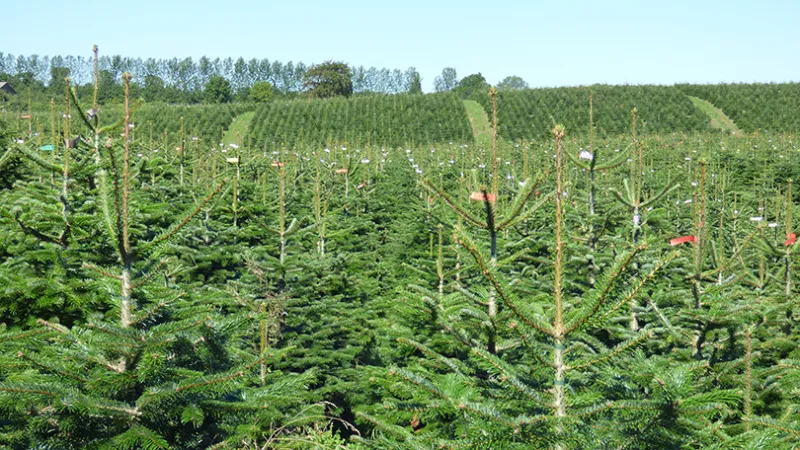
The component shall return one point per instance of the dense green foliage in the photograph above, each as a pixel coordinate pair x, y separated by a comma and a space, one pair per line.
447, 81
472, 87
262, 92
512, 83
204, 122
217, 90
416, 85
754, 107
180, 80
404, 289
530, 113
155, 123
329, 79
379, 120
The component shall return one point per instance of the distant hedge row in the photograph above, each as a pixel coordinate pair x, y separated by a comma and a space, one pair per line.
206, 122
377, 120
531, 113
754, 107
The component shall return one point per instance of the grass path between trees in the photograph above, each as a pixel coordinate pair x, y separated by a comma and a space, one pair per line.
718, 118
479, 121
238, 129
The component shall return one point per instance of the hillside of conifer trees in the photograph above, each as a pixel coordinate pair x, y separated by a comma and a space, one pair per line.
598, 268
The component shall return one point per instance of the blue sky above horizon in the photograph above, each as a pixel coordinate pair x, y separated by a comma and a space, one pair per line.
549, 43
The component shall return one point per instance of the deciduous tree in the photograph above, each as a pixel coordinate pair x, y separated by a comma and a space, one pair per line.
472, 85
446, 81
416, 84
57, 76
512, 83
218, 90
329, 79
153, 88
262, 92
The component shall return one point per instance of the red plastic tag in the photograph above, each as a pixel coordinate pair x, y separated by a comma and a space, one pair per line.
682, 240
791, 238
480, 197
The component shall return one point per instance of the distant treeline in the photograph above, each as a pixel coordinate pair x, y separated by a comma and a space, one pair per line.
181, 80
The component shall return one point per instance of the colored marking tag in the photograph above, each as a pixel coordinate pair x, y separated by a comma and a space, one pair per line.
26, 116
47, 148
341, 171
682, 240
277, 164
481, 197
791, 238
232, 160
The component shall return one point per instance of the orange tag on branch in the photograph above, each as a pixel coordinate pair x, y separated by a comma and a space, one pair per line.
791, 238
682, 240
341, 171
277, 164
481, 197
26, 116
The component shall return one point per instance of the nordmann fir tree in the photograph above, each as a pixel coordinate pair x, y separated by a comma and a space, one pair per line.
267, 303
273, 407
786, 250
706, 328
634, 200
46, 280
295, 304
145, 378
517, 398
516, 213
589, 160
709, 310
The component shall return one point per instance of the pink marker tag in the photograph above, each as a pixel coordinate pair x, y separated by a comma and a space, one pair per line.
480, 197
682, 240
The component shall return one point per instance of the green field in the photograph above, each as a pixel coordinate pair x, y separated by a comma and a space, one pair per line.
364, 273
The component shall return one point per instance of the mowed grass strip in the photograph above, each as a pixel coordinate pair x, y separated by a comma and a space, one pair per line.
238, 128
718, 118
481, 127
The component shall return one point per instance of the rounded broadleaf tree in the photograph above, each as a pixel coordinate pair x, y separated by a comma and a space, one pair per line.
512, 83
218, 90
472, 85
262, 92
329, 79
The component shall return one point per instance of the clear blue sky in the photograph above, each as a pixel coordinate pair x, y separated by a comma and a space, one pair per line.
548, 43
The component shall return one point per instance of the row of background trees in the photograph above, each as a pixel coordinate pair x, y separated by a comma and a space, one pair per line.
187, 80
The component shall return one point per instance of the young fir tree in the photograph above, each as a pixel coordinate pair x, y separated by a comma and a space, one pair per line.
156, 371
596, 224
494, 224
577, 395
43, 218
